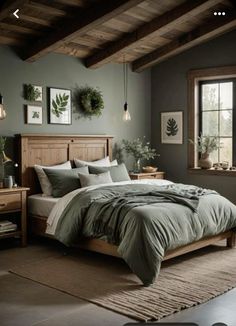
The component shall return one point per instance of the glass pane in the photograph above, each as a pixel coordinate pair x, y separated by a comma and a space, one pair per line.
226, 96
210, 97
214, 156
226, 150
210, 123
226, 126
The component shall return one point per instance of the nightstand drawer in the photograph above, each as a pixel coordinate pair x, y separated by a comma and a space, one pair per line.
10, 202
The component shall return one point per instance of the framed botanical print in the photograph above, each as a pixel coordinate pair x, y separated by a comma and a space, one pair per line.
34, 114
172, 127
59, 106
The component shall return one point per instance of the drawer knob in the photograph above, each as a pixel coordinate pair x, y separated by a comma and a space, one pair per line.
3, 205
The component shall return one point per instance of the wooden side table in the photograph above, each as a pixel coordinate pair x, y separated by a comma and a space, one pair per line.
152, 175
13, 200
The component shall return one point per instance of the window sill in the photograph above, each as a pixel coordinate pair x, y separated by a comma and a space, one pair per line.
229, 173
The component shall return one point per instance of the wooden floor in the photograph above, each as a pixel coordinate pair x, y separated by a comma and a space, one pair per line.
23, 302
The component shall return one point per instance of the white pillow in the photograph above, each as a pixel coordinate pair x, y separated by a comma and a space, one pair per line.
103, 162
43, 179
113, 163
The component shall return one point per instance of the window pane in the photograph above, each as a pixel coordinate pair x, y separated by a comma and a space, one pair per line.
210, 97
226, 126
226, 150
214, 156
210, 123
226, 96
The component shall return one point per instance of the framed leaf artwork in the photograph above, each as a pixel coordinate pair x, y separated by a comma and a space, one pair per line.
172, 127
34, 115
59, 106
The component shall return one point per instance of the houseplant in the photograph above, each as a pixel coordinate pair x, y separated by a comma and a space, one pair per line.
206, 145
140, 150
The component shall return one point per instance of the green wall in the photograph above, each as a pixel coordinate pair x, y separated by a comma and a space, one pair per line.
169, 93
63, 71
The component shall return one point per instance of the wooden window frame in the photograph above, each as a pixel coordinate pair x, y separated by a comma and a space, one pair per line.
194, 77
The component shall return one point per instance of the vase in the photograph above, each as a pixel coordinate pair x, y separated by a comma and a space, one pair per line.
205, 162
137, 166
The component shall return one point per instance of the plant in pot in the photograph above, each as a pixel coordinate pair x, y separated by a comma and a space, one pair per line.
140, 150
205, 146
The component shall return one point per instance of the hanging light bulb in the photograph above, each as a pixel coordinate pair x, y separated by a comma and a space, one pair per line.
126, 114
2, 111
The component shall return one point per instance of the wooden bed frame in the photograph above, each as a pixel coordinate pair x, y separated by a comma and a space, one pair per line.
49, 149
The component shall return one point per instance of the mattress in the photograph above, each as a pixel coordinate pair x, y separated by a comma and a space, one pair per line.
41, 205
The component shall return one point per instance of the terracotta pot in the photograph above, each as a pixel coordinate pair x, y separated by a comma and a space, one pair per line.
205, 162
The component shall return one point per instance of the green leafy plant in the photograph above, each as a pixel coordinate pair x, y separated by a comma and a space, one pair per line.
139, 149
90, 101
35, 115
172, 127
59, 104
2, 144
31, 93
206, 144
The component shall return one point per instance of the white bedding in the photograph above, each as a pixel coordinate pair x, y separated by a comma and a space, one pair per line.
41, 205
64, 201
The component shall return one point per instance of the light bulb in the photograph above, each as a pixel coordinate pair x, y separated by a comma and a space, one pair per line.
2, 112
126, 114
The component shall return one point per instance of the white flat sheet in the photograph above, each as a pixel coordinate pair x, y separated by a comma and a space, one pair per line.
41, 206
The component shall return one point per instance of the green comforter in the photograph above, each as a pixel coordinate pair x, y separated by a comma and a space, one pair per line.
145, 220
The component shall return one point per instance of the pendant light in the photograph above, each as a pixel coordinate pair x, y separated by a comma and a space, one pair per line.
126, 114
2, 111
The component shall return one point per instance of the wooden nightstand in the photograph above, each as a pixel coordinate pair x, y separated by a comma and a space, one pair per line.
13, 200
153, 175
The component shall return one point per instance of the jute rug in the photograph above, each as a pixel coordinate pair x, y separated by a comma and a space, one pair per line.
106, 281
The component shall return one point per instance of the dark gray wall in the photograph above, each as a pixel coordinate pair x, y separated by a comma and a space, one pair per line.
64, 71
169, 93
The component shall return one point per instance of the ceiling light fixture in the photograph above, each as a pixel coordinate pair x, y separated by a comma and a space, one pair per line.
2, 111
126, 114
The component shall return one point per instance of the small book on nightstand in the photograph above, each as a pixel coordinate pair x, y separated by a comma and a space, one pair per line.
7, 226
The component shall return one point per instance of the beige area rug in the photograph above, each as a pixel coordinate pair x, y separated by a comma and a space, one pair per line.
183, 282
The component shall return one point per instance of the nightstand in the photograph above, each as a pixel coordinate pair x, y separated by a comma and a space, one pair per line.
152, 175
13, 200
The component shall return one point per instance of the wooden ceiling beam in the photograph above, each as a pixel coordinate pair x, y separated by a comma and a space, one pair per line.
214, 28
71, 28
9, 6
146, 30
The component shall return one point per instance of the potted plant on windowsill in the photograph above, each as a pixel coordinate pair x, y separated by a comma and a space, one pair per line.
205, 146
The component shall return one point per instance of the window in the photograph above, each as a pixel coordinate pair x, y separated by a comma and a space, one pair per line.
212, 111
216, 106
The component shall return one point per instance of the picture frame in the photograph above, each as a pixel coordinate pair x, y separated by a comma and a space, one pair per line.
172, 127
33, 93
34, 115
59, 101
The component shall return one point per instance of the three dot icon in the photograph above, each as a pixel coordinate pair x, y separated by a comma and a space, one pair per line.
219, 13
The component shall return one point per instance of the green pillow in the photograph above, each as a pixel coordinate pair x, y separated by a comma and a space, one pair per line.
118, 172
64, 181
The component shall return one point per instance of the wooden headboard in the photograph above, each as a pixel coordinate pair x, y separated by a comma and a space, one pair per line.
55, 149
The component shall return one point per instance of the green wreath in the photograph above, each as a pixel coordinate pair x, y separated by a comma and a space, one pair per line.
91, 101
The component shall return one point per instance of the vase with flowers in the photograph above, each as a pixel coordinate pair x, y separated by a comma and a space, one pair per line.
205, 145
140, 150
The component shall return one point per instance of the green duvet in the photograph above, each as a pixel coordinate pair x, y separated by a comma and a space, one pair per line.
145, 221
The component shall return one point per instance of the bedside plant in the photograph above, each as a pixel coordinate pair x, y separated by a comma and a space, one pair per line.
140, 150
206, 145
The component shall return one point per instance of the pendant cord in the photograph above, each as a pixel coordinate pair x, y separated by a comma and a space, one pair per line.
125, 73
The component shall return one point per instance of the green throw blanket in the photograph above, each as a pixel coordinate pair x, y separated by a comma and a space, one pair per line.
145, 220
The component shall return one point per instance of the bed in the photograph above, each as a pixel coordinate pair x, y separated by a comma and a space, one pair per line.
56, 149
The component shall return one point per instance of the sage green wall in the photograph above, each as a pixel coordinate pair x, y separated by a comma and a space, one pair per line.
169, 93
64, 71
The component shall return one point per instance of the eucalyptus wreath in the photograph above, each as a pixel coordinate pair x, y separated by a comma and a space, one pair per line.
90, 101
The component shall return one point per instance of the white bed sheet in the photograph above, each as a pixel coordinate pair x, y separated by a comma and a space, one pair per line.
41, 205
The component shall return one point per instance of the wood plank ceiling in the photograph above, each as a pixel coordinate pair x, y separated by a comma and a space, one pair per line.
142, 32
